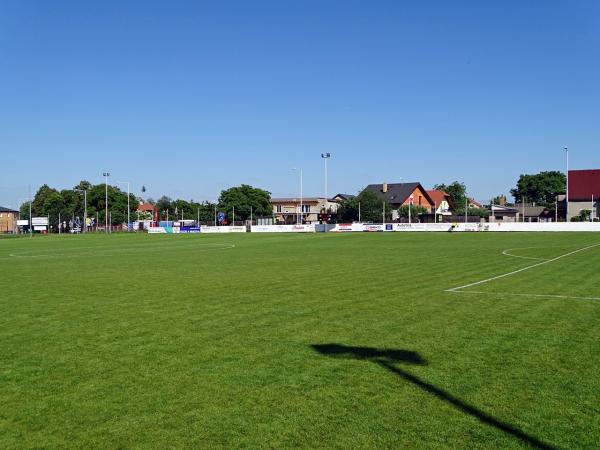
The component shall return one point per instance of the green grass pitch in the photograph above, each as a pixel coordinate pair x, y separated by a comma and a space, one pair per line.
300, 341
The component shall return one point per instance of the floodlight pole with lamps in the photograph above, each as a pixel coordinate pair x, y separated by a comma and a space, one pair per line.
325, 157
128, 208
106, 175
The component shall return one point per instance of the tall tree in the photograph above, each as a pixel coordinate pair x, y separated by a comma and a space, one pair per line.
162, 205
541, 188
244, 197
370, 205
37, 205
458, 195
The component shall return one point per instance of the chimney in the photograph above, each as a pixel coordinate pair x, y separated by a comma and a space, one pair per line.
384, 190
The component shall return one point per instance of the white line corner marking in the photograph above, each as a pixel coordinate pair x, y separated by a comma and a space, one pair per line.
547, 261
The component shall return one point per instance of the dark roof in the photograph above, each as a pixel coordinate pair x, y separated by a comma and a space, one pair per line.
583, 184
344, 196
530, 210
397, 193
8, 210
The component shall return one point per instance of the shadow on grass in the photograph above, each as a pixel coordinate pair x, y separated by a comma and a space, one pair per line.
386, 358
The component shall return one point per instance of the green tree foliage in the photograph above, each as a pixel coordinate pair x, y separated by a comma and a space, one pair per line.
481, 212
458, 195
24, 211
415, 210
583, 216
371, 208
69, 203
190, 209
499, 200
243, 198
37, 205
541, 188
117, 204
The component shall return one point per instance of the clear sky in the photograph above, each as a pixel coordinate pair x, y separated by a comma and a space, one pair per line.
188, 98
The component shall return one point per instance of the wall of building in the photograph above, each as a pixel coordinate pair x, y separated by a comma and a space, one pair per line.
576, 207
8, 222
416, 194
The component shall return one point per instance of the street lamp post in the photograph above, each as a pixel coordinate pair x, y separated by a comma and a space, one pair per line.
106, 175
128, 208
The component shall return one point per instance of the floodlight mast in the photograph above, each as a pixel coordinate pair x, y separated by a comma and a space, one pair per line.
106, 175
325, 157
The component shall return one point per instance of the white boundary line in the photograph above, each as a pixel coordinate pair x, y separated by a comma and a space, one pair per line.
456, 289
525, 295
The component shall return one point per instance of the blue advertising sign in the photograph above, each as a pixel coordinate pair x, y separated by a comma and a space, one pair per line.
189, 229
221, 217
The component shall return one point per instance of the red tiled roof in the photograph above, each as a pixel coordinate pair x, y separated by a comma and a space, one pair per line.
583, 184
439, 196
146, 207
474, 202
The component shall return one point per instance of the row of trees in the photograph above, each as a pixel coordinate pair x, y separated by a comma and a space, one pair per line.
540, 189
246, 200
69, 203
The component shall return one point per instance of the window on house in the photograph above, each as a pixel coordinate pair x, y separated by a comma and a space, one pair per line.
305, 208
278, 208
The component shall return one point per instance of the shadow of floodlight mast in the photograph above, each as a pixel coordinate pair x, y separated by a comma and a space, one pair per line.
386, 358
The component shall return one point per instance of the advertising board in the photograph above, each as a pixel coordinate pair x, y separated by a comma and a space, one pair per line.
283, 228
186, 229
39, 221
224, 229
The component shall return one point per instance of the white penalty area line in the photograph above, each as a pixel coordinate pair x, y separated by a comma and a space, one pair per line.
504, 275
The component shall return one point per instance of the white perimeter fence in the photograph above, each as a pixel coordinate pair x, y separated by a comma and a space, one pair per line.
494, 226
386, 227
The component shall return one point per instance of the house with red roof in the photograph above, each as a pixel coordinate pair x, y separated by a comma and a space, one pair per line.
584, 192
441, 202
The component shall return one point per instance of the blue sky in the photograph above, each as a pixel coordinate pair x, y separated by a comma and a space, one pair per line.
188, 98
